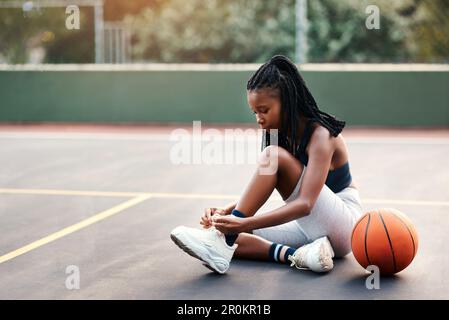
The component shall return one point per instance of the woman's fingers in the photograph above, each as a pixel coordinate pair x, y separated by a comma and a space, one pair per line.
220, 220
210, 214
205, 223
205, 226
207, 212
221, 212
206, 219
220, 227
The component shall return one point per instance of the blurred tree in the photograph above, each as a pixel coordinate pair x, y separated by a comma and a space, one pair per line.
422, 26
116, 10
23, 32
73, 46
213, 31
238, 31
337, 33
427, 25
252, 30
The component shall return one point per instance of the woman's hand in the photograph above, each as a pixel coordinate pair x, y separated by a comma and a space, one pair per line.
206, 219
230, 224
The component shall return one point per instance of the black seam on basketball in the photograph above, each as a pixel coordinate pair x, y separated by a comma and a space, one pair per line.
389, 241
411, 235
366, 235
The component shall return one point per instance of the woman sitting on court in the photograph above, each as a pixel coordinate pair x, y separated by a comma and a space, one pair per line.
311, 174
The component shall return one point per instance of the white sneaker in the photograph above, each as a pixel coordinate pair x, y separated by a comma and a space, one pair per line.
207, 245
316, 256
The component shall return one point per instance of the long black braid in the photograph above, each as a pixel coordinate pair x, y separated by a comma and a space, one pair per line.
296, 101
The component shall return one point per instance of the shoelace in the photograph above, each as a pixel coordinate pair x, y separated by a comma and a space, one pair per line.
298, 260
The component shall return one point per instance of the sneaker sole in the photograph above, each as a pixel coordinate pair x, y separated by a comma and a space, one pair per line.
206, 262
325, 262
327, 253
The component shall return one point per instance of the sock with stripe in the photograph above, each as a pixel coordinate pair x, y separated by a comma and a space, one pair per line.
275, 253
230, 238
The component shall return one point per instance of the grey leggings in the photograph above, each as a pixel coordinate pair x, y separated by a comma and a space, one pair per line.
333, 215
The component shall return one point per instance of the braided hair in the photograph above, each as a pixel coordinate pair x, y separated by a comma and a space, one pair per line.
296, 101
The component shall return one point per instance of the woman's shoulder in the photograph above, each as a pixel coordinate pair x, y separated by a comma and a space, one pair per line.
335, 145
320, 132
321, 137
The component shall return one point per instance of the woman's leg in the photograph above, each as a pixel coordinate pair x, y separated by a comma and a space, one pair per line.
261, 186
334, 217
257, 245
254, 247
284, 177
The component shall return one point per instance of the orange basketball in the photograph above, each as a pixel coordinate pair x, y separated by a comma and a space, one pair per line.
385, 238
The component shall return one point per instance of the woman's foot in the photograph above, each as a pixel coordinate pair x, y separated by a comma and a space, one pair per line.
316, 256
207, 245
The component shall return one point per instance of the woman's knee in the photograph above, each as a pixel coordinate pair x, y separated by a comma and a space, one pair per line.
276, 150
285, 165
269, 160
279, 156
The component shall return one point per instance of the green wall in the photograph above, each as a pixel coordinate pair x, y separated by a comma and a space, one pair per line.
371, 98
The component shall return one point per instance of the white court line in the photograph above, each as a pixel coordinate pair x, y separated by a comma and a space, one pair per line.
205, 138
209, 196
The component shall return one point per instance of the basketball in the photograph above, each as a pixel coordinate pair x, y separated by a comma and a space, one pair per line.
385, 238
